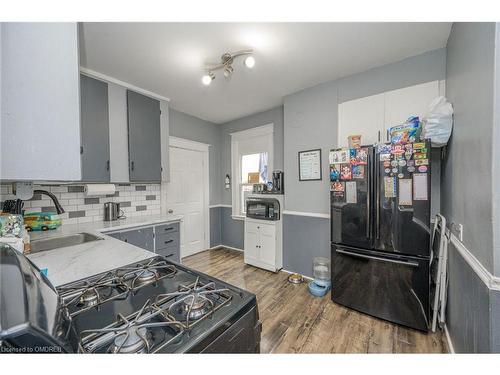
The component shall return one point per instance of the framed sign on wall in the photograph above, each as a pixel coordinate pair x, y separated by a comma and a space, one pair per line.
310, 165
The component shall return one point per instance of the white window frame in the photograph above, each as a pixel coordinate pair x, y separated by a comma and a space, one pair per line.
244, 139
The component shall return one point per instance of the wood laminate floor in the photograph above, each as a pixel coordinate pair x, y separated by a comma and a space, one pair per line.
293, 321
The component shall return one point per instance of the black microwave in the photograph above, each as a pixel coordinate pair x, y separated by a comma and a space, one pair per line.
263, 208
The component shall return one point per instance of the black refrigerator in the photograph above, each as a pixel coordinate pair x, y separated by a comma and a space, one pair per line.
380, 231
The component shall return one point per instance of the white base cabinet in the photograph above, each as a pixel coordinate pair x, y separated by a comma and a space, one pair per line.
264, 244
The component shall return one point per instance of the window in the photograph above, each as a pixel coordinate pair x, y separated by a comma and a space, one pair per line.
251, 163
253, 171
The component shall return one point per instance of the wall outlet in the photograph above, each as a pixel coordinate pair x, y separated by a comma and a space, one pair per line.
23, 190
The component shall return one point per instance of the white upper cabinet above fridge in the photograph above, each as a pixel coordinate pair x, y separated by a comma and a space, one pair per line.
372, 116
363, 116
40, 102
406, 102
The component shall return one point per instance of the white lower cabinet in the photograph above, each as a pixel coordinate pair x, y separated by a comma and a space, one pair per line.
263, 244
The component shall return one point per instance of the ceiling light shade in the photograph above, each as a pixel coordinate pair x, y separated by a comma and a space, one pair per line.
250, 62
207, 79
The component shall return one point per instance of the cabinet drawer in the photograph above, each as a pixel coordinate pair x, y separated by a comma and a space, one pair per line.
170, 252
166, 228
163, 240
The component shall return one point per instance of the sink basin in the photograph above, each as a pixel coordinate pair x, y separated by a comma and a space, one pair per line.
45, 244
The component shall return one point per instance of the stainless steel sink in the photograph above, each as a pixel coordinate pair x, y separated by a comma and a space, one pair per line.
45, 244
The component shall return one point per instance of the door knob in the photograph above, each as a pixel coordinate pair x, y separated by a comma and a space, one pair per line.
170, 211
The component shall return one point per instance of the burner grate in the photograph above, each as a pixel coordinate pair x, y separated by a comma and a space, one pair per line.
133, 334
193, 303
141, 275
84, 295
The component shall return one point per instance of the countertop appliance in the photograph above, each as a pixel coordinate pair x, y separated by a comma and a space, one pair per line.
278, 182
112, 211
263, 208
152, 306
380, 231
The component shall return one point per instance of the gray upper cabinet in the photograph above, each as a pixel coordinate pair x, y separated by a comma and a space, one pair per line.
144, 138
94, 130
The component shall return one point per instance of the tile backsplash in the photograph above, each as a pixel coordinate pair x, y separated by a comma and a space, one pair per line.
134, 199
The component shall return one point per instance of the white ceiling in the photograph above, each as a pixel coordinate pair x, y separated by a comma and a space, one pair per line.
168, 58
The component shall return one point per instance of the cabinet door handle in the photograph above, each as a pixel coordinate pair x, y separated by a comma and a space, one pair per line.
379, 135
169, 255
169, 228
107, 165
132, 165
166, 242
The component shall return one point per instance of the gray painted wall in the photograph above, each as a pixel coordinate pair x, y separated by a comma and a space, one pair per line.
311, 119
215, 226
468, 310
472, 87
189, 127
232, 231
304, 238
469, 87
274, 116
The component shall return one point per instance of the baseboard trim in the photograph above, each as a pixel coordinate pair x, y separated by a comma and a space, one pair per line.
492, 282
448, 340
225, 247
304, 276
309, 214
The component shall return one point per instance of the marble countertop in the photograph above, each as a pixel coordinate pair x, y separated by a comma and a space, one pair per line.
67, 264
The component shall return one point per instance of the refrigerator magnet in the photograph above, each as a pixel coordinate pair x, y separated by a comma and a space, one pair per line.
419, 145
421, 162
405, 192
384, 149
420, 191
401, 175
362, 156
397, 150
408, 154
387, 164
410, 163
350, 192
334, 172
420, 155
387, 170
411, 169
358, 171
345, 172
395, 170
422, 168
394, 163
337, 186
389, 187
385, 157
339, 157
402, 163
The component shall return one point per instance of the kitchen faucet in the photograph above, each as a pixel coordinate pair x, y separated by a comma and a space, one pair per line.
57, 205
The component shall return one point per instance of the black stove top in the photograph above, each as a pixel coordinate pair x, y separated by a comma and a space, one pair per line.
152, 306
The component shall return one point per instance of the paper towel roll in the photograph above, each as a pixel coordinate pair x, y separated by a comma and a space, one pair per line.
93, 190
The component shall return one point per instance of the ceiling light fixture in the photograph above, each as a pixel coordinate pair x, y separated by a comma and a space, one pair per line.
250, 62
208, 78
226, 64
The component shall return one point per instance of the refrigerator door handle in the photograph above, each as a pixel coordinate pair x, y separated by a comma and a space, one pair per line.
405, 209
377, 191
368, 200
357, 255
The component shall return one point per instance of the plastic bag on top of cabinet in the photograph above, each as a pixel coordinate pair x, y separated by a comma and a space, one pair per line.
438, 123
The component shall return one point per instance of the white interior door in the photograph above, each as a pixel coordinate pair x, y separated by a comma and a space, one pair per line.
185, 196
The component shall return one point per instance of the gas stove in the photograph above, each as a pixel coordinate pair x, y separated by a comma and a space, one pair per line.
154, 306
151, 306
